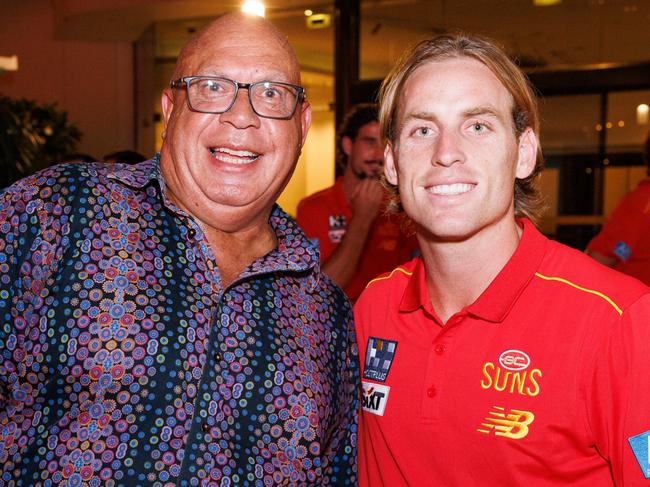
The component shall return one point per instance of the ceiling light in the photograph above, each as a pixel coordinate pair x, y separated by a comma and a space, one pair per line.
253, 7
308, 12
546, 3
642, 112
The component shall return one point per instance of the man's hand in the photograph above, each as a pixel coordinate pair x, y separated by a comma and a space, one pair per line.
366, 199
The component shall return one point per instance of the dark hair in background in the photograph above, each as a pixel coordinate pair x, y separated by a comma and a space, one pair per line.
78, 157
358, 116
125, 157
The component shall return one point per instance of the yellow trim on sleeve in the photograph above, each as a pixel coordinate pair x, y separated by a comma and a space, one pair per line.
584, 289
382, 278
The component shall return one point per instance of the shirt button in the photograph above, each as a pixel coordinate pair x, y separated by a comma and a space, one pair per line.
217, 356
440, 349
191, 233
431, 391
205, 427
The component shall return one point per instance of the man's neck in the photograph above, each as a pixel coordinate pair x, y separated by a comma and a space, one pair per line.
458, 272
234, 251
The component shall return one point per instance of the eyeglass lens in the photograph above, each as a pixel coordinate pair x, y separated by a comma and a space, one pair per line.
268, 99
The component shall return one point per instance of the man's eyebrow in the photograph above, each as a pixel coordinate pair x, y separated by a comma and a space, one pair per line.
419, 116
488, 110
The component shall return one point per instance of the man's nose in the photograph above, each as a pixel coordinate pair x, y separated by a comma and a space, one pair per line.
241, 113
447, 149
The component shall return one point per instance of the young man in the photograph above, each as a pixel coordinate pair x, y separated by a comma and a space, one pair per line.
357, 240
498, 357
166, 323
624, 241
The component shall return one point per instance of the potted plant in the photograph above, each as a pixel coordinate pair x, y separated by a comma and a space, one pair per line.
32, 137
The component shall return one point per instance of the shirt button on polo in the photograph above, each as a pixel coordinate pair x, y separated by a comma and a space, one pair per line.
205, 427
217, 356
439, 349
431, 391
191, 233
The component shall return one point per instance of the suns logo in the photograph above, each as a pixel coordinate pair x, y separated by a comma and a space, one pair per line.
512, 374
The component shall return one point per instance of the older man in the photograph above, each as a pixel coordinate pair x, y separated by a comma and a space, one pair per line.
498, 358
166, 323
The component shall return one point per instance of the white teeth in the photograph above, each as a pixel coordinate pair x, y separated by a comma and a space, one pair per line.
450, 189
232, 156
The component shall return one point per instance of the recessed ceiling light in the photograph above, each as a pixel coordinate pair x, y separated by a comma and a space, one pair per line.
253, 7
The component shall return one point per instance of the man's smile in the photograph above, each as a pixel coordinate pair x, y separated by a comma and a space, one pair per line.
232, 156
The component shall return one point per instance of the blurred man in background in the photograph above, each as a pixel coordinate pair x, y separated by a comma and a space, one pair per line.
624, 241
358, 241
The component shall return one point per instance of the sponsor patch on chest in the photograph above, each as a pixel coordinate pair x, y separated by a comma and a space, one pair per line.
380, 354
374, 397
337, 227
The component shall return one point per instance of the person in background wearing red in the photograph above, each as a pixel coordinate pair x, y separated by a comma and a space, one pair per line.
624, 241
498, 357
357, 240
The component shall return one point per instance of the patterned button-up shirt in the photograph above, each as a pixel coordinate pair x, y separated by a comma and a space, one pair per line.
124, 361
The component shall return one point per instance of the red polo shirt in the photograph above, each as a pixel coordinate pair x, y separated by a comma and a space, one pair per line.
542, 381
626, 235
324, 216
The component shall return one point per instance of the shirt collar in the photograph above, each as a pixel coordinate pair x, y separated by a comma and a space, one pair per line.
294, 252
137, 175
499, 297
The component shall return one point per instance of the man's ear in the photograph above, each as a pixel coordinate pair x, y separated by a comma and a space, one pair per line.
390, 164
305, 120
167, 103
527, 154
346, 145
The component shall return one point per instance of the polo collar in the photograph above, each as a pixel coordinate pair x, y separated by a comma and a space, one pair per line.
497, 300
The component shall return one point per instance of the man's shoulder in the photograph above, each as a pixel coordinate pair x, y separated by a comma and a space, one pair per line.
63, 188
579, 274
390, 283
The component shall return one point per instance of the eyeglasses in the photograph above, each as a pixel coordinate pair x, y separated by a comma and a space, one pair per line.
268, 99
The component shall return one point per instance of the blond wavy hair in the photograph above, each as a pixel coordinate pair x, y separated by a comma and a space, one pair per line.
525, 113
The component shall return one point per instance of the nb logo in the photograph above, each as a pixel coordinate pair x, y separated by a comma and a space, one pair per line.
513, 424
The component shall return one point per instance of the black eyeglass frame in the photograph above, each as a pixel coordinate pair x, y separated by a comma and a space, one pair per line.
186, 80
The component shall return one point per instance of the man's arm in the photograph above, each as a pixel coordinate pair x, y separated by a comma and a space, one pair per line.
342, 468
342, 264
617, 394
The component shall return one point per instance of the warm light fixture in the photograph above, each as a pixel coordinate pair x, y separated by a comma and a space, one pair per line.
253, 7
642, 113
546, 3
308, 12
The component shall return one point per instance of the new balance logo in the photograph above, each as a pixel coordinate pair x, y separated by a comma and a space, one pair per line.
513, 424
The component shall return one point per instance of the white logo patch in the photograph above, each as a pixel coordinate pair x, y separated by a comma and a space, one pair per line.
374, 397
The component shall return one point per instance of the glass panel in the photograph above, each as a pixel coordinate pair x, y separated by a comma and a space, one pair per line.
570, 141
626, 126
570, 124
